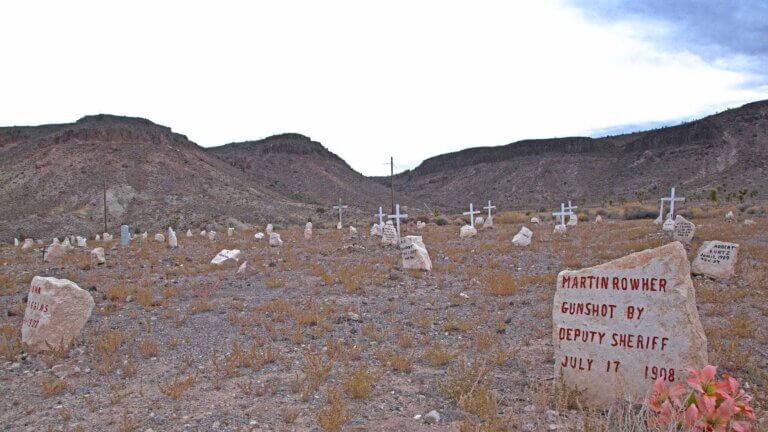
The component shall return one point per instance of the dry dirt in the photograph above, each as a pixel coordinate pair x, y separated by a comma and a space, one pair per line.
332, 332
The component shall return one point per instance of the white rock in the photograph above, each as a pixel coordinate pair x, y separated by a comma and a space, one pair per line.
97, 256
172, 241
82, 242
683, 230
389, 236
669, 225
225, 255
57, 310
106, 237
16, 242
230, 231
97, 238
535, 220
144, 235
242, 267
658, 220
479, 220
613, 320
352, 230
376, 230
749, 222
573, 220
560, 229
212, 235
420, 225
189, 233
598, 219
729, 217
432, 417
159, 238
269, 229
716, 259
308, 230
338, 225
488, 222
28, 243
467, 231
274, 239
258, 235
523, 238
203, 233
414, 253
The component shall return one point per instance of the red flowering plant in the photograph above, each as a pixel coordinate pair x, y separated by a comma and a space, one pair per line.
709, 405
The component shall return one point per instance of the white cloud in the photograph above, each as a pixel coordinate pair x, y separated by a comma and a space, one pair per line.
408, 79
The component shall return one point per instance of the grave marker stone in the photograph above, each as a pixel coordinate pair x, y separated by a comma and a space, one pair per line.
226, 255
716, 259
414, 253
619, 326
523, 238
389, 236
308, 230
172, 241
683, 230
125, 235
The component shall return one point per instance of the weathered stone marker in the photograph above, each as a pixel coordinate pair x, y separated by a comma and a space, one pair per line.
308, 230
125, 236
522, 238
619, 326
57, 310
173, 242
226, 255
275, 240
716, 259
414, 253
389, 235
683, 230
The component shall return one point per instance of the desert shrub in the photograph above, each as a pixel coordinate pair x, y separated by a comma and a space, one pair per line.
638, 212
423, 218
441, 222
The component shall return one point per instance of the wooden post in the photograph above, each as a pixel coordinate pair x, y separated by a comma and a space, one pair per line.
392, 180
105, 205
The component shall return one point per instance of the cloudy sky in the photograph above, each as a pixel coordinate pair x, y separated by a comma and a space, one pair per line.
411, 79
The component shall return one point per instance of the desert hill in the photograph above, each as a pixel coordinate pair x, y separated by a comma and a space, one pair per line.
727, 152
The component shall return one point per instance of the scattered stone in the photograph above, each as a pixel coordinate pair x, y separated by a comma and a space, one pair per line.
64, 370
189, 233
172, 241
523, 238
729, 217
352, 230
225, 255
274, 239
57, 310
97, 256
642, 322
467, 231
560, 229
389, 235
535, 220
669, 225
432, 417
598, 219
159, 238
258, 235
414, 253
683, 230
242, 267
716, 259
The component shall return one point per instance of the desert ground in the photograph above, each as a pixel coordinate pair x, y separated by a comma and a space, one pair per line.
330, 333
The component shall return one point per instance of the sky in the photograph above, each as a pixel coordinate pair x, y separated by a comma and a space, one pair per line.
370, 80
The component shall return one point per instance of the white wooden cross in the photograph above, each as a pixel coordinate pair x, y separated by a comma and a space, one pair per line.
671, 198
570, 208
472, 212
340, 207
562, 214
489, 207
381, 217
397, 216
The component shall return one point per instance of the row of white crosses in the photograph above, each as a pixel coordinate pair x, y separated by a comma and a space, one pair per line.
472, 212
671, 198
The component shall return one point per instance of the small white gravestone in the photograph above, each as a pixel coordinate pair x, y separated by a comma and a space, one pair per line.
389, 236
683, 230
308, 230
420, 225
269, 229
535, 220
376, 230
16, 242
258, 235
144, 235
274, 239
172, 241
619, 326
57, 310
573, 220
338, 225
467, 231
414, 253
189, 233
230, 231
352, 230
749, 222
212, 235
242, 267
560, 229
729, 217
523, 238
658, 220
226, 255
67, 244
97, 256
97, 238
488, 222
125, 235
82, 242
479, 220
28, 243
54, 252
106, 237
598, 219
716, 259
669, 225
159, 238
203, 233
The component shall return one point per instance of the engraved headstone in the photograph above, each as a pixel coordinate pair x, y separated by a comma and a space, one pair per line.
683, 230
389, 235
523, 238
619, 326
57, 310
716, 259
414, 253
125, 235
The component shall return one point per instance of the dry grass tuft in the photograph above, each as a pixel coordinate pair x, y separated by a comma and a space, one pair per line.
334, 415
359, 384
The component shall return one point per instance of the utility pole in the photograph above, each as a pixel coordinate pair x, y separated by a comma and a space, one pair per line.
392, 180
105, 205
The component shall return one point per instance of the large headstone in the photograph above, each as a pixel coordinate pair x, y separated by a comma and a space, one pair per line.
716, 259
308, 230
684, 230
274, 239
414, 253
523, 238
389, 235
172, 241
57, 310
467, 231
125, 235
619, 326
226, 255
